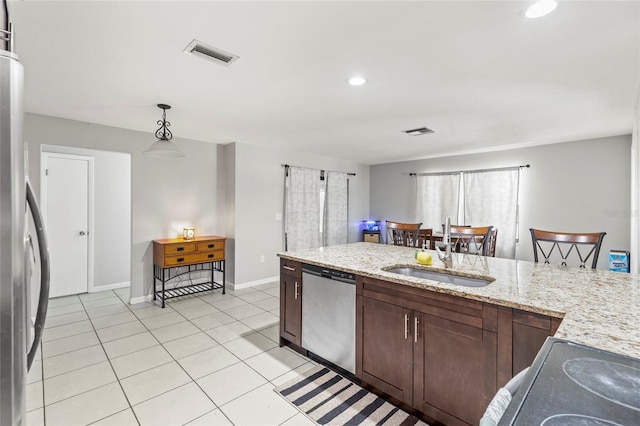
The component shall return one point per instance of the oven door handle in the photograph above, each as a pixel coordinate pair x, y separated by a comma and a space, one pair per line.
45, 274
501, 400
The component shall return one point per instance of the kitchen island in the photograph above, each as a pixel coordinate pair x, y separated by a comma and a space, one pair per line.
591, 307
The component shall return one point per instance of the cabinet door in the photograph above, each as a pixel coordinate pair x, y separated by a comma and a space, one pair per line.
455, 369
291, 308
387, 348
529, 332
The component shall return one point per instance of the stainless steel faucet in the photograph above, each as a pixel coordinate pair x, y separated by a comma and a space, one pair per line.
446, 240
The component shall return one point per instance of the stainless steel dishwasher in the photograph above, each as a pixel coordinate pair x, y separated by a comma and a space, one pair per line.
329, 315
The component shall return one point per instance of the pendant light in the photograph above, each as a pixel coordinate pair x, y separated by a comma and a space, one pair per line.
163, 146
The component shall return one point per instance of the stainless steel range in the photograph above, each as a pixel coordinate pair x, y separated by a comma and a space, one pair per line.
570, 384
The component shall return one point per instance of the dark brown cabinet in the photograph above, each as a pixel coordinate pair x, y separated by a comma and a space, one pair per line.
387, 350
290, 302
433, 352
521, 336
454, 369
530, 330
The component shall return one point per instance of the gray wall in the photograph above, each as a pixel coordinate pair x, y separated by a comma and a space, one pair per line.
579, 186
112, 214
166, 194
259, 197
233, 190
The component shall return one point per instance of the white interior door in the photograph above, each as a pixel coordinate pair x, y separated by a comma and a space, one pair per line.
66, 186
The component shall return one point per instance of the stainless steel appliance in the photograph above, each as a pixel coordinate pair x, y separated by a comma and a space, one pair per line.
17, 346
571, 384
329, 315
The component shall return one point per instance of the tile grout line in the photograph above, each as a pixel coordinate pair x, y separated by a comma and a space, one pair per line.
183, 369
114, 373
218, 407
253, 331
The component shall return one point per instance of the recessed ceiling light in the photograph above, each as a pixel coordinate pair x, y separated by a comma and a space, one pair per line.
418, 132
540, 9
357, 81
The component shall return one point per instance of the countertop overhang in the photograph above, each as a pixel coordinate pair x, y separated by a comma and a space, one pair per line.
599, 308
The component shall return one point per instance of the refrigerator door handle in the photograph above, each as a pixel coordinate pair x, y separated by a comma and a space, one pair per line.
43, 248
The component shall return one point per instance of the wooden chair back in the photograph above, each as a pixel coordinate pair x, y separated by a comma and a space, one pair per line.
403, 234
566, 243
472, 239
425, 239
493, 238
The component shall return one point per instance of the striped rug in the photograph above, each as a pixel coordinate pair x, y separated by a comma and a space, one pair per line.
329, 399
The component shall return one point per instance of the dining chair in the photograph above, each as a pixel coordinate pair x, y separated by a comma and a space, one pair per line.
493, 238
425, 239
403, 234
472, 239
574, 241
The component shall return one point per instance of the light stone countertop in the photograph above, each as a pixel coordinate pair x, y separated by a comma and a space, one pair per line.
599, 308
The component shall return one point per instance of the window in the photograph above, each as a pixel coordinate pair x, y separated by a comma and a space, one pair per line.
476, 198
316, 208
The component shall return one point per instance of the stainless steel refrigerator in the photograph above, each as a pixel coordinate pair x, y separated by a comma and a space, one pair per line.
19, 337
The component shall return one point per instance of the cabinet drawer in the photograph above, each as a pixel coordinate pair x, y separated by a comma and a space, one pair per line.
210, 245
291, 267
188, 259
179, 248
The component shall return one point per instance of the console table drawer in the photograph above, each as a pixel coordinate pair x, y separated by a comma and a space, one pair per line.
189, 259
211, 245
179, 248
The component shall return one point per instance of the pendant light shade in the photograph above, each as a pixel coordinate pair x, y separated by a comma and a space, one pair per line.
163, 146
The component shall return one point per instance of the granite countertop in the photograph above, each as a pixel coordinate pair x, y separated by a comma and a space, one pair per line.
599, 308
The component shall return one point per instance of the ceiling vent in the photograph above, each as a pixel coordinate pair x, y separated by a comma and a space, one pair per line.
211, 53
418, 132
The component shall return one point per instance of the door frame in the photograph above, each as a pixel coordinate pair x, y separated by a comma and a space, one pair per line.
45, 155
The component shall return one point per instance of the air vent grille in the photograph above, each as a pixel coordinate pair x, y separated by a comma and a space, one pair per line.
418, 131
211, 53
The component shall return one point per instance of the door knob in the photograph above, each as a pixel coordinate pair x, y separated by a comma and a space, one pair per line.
82, 233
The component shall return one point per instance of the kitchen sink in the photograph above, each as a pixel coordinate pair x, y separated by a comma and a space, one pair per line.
441, 277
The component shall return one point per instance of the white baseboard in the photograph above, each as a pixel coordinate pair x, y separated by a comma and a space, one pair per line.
141, 299
253, 283
114, 286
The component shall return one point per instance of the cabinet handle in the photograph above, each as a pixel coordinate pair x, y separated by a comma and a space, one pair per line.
180, 249
180, 259
289, 268
406, 326
416, 322
296, 292
211, 246
210, 256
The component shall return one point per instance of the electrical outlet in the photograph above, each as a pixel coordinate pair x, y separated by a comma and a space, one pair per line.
262, 258
278, 216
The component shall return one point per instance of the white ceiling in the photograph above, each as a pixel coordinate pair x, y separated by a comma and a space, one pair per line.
478, 73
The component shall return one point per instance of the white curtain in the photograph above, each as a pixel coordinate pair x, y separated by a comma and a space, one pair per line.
302, 208
491, 198
336, 203
437, 197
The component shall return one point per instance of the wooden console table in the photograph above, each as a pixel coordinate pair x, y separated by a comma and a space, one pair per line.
175, 257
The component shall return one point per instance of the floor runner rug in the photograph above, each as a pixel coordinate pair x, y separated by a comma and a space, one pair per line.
327, 398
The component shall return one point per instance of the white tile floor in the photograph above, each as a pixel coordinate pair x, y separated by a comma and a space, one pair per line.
211, 359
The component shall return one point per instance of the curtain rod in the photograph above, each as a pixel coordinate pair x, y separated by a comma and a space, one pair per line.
497, 169
311, 168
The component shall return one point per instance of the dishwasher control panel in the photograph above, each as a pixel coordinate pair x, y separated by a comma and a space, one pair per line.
329, 273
